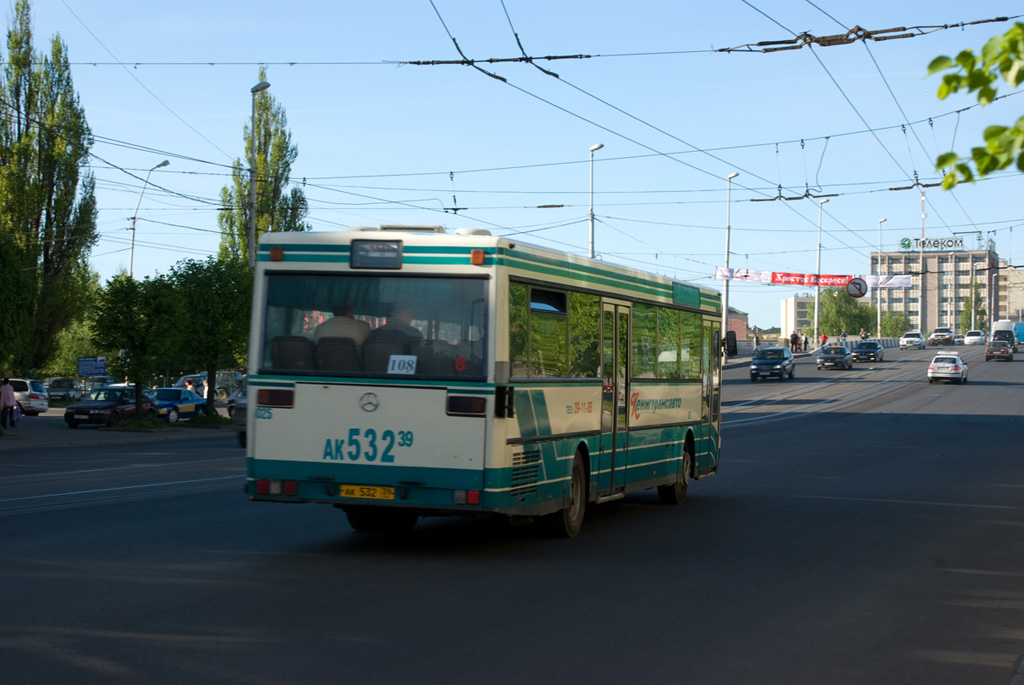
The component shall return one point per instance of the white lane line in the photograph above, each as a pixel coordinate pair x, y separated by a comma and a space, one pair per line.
126, 487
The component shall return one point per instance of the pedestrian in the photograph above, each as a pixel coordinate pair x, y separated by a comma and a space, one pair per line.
206, 386
757, 341
806, 343
842, 337
824, 339
190, 385
794, 341
863, 334
7, 403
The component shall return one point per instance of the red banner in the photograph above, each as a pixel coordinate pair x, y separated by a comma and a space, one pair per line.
780, 278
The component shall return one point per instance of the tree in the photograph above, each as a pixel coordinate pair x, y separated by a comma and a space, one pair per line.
277, 208
217, 294
1001, 57
142, 319
895, 324
837, 312
47, 204
973, 304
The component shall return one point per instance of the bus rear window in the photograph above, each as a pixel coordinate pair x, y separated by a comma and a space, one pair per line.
371, 325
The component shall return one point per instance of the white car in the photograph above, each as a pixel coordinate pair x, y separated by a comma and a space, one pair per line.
949, 366
974, 338
31, 396
912, 339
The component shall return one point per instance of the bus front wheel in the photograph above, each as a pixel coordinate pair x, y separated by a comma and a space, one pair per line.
568, 522
675, 493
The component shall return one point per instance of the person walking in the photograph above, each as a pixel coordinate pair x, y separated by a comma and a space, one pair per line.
757, 341
806, 343
824, 339
794, 341
7, 403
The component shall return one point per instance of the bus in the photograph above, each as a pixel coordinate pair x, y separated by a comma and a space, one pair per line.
464, 373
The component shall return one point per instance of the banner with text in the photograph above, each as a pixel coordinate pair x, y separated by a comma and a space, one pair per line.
827, 280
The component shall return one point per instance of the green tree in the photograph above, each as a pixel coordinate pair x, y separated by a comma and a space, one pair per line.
1002, 57
142, 319
895, 324
47, 203
974, 304
277, 207
838, 312
217, 294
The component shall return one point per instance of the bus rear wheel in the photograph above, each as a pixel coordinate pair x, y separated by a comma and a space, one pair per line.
373, 520
568, 522
675, 493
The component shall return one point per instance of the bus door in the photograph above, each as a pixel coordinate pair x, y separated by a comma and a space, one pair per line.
611, 481
712, 390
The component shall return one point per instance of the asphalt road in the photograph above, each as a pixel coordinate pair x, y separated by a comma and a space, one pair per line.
866, 527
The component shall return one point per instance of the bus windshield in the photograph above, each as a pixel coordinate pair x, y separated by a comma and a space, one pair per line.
374, 325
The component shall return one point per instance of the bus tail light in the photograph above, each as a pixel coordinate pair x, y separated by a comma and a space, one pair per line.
269, 397
467, 497
464, 405
273, 486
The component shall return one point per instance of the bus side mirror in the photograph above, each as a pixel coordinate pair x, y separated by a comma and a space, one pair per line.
730, 343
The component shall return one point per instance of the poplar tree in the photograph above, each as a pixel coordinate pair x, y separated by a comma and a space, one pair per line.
47, 202
278, 207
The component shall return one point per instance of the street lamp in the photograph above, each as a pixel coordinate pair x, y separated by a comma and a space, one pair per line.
817, 278
725, 288
261, 86
131, 259
878, 288
593, 149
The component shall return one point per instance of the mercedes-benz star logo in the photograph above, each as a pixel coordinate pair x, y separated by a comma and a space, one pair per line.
369, 402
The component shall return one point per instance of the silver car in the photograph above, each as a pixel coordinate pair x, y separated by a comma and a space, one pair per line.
912, 340
31, 396
949, 366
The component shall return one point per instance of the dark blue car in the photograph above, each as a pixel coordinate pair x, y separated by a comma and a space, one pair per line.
174, 404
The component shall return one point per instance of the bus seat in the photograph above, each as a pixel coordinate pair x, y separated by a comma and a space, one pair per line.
292, 353
337, 354
377, 353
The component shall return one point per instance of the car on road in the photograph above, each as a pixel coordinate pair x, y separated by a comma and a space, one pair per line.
237, 405
947, 365
30, 395
64, 389
107, 406
1006, 336
941, 337
958, 340
1000, 350
974, 338
174, 404
912, 339
868, 351
835, 357
771, 362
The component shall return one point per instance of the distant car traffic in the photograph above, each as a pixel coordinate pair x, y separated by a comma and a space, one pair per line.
912, 339
64, 389
30, 395
237, 404
174, 404
958, 340
941, 336
835, 357
974, 338
1006, 336
868, 351
999, 350
107, 406
949, 366
772, 361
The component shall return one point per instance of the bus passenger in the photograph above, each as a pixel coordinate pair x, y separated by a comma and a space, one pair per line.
344, 324
399, 327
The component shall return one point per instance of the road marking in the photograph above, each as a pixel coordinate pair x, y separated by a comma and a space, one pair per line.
126, 487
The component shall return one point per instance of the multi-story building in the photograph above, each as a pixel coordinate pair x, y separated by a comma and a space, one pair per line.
1011, 292
797, 314
949, 275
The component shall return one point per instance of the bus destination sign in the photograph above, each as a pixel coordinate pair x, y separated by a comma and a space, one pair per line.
376, 254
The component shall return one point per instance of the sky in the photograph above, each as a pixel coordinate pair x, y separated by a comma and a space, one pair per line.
383, 140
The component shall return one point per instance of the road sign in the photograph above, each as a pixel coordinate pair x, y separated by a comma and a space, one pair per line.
92, 366
857, 287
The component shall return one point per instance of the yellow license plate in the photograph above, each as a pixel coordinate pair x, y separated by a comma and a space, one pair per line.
367, 491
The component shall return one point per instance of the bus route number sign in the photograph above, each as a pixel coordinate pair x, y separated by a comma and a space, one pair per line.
404, 364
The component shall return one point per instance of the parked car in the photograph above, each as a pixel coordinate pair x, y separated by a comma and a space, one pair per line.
64, 389
835, 357
998, 349
107, 406
974, 338
868, 351
227, 382
772, 361
174, 404
95, 382
941, 336
948, 365
1006, 336
237, 404
31, 396
912, 339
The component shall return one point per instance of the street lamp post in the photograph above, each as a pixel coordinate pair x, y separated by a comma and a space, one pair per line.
878, 328
131, 259
817, 278
261, 86
593, 149
725, 288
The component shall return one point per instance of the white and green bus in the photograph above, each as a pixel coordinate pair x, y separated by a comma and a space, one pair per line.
466, 373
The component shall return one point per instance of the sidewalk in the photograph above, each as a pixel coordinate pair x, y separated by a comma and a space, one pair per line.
48, 431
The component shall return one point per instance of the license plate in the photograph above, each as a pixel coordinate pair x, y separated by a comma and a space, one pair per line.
367, 491
81, 417
943, 367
